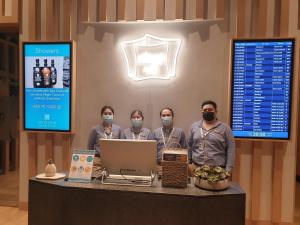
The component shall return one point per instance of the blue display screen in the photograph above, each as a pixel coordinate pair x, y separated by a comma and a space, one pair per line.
261, 88
47, 86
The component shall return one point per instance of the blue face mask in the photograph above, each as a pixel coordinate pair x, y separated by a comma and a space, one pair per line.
166, 121
108, 119
136, 123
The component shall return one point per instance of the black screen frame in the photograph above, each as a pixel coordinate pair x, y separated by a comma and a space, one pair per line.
233, 41
71, 44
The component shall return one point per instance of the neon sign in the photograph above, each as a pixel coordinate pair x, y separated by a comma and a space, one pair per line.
151, 57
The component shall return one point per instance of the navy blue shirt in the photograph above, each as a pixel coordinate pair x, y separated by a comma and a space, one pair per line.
168, 139
98, 133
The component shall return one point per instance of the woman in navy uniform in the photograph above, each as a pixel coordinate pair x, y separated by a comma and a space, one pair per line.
168, 136
137, 131
105, 130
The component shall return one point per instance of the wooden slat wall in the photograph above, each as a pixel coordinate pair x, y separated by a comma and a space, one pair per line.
220, 8
151, 10
140, 9
212, 9
46, 21
92, 10
180, 9
298, 144
201, 9
64, 20
101, 15
265, 160
121, 10
289, 158
83, 10
160, 9
170, 13
9, 12
190, 10
130, 10
264, 169
111, 11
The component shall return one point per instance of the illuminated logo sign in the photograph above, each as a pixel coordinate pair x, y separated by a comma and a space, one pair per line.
151, 57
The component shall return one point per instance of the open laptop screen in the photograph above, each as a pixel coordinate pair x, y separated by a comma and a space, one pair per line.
128, 157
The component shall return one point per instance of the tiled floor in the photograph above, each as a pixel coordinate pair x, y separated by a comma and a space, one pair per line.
13, 216
9, 189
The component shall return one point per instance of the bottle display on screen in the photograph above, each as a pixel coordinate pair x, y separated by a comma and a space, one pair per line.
66, 72
53, 73
37, 79
44, 76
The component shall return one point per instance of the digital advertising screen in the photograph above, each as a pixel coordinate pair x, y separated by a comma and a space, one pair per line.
47, 68
262, 74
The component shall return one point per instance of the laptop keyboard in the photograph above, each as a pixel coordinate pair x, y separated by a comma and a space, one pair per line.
128, 180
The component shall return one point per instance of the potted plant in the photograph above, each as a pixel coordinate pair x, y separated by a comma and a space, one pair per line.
211, 177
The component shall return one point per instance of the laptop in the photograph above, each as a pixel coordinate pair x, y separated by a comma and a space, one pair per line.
128, 157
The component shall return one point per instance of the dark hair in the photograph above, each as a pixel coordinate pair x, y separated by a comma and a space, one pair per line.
171, 110
107, 107
209, 102
137, 111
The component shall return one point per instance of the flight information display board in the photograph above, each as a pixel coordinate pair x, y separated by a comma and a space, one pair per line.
47, 86
262, 72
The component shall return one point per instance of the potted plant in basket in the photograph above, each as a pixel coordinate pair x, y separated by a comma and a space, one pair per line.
211, 177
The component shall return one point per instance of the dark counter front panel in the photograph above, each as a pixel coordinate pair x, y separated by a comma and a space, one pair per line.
65, 203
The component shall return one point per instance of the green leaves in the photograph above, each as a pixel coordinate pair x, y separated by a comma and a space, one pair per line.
211, 174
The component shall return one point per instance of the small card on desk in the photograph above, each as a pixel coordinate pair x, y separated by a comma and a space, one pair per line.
81, 165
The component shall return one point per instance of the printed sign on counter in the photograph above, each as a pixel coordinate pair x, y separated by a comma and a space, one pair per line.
81, 165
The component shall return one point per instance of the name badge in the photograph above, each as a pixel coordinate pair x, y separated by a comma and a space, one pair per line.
201, 146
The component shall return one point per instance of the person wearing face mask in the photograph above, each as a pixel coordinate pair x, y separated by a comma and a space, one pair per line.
105, 130
211, 141
168, 136
137, 131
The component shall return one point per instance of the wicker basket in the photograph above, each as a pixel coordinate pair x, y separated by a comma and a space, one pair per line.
175, 173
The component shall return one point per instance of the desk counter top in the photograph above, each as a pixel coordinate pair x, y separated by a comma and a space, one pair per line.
156, 188
60, 202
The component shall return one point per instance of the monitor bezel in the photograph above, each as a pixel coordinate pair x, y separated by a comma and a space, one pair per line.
71, 44
285, 39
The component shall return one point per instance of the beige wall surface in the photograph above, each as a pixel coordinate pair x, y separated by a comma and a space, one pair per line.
102, 76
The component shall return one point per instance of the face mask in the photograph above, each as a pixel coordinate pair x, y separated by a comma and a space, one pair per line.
136, 123
208, 116
108, 118
166, 121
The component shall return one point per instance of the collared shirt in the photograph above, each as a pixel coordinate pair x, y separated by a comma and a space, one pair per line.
98, 133
173, 139
145, 134
214, 147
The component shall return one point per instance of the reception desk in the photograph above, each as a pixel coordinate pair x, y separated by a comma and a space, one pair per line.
65, 203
